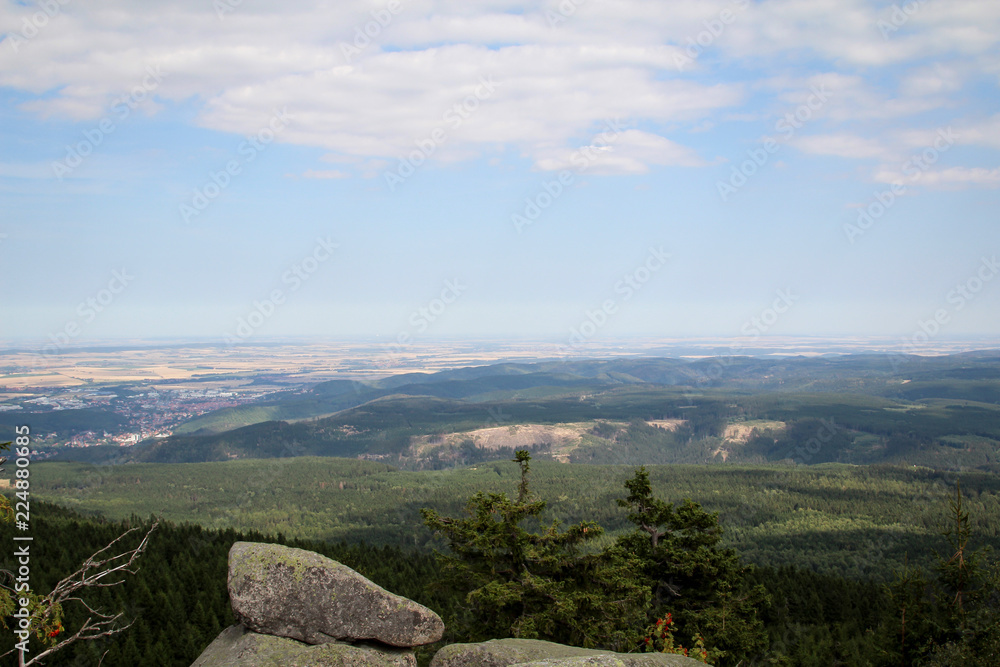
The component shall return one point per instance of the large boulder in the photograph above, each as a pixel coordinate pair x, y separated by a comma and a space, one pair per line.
278, 590
238, 647
537, 653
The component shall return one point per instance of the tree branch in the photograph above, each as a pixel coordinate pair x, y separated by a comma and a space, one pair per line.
91, 574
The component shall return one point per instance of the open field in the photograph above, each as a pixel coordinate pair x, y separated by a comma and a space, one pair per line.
42, 365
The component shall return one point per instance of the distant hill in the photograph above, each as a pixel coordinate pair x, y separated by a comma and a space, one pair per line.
942, 411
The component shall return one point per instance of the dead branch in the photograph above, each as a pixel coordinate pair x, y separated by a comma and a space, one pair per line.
93, 573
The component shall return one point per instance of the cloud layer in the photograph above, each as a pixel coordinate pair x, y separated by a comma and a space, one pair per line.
367, 81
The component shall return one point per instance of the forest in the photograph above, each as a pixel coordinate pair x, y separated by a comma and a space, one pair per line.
177, 600
830, 481
854, 521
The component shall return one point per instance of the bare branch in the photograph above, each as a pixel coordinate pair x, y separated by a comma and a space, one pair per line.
97, 630
82, 578
92, 574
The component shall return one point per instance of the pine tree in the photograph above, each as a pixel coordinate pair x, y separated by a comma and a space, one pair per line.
911, 627
703, 586
544, 585
954, 617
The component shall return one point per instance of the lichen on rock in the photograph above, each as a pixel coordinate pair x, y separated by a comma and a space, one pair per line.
287, 592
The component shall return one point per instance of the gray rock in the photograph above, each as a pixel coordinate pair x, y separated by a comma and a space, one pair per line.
537, 653
238, 647
286, 592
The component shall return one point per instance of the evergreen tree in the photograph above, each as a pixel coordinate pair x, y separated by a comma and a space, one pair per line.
954, 617
544, 585
906, 636
703, 586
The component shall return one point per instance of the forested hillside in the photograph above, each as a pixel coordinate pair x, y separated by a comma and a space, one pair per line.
177, 600
845, 520
939, 412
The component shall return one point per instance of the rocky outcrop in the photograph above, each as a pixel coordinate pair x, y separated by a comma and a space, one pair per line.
286, 592
239, 647
537, 653
300, 609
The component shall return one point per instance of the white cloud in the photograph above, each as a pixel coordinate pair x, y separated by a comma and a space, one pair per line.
479, 98
982, 133
849, 31
951, 178
623, 152
841, 145
937, 79
556, 83
325, 174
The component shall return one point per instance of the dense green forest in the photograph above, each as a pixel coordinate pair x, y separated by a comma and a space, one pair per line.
846, 520
177, 600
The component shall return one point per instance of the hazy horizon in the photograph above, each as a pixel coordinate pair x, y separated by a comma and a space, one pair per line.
651, 345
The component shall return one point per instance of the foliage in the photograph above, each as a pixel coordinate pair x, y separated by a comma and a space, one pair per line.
858, 522
44, 614
953, 617
703, 585
179, 602
660, 639
536, 585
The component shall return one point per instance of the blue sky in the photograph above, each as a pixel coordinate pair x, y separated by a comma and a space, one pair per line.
497, 168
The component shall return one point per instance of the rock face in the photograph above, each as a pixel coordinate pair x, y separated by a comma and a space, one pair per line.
286, 592
300, 609
536, 653
238, 647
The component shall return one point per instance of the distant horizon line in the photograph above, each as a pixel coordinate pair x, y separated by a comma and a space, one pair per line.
745, 345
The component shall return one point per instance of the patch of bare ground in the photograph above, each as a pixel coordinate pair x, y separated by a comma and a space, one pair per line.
736, 435
562, 438
668, 424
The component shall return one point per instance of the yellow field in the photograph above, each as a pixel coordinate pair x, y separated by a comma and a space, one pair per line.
318, 361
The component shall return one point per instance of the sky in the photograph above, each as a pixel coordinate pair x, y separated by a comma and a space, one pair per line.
573, 170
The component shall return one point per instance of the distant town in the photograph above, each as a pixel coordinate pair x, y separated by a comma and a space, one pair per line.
144, 412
